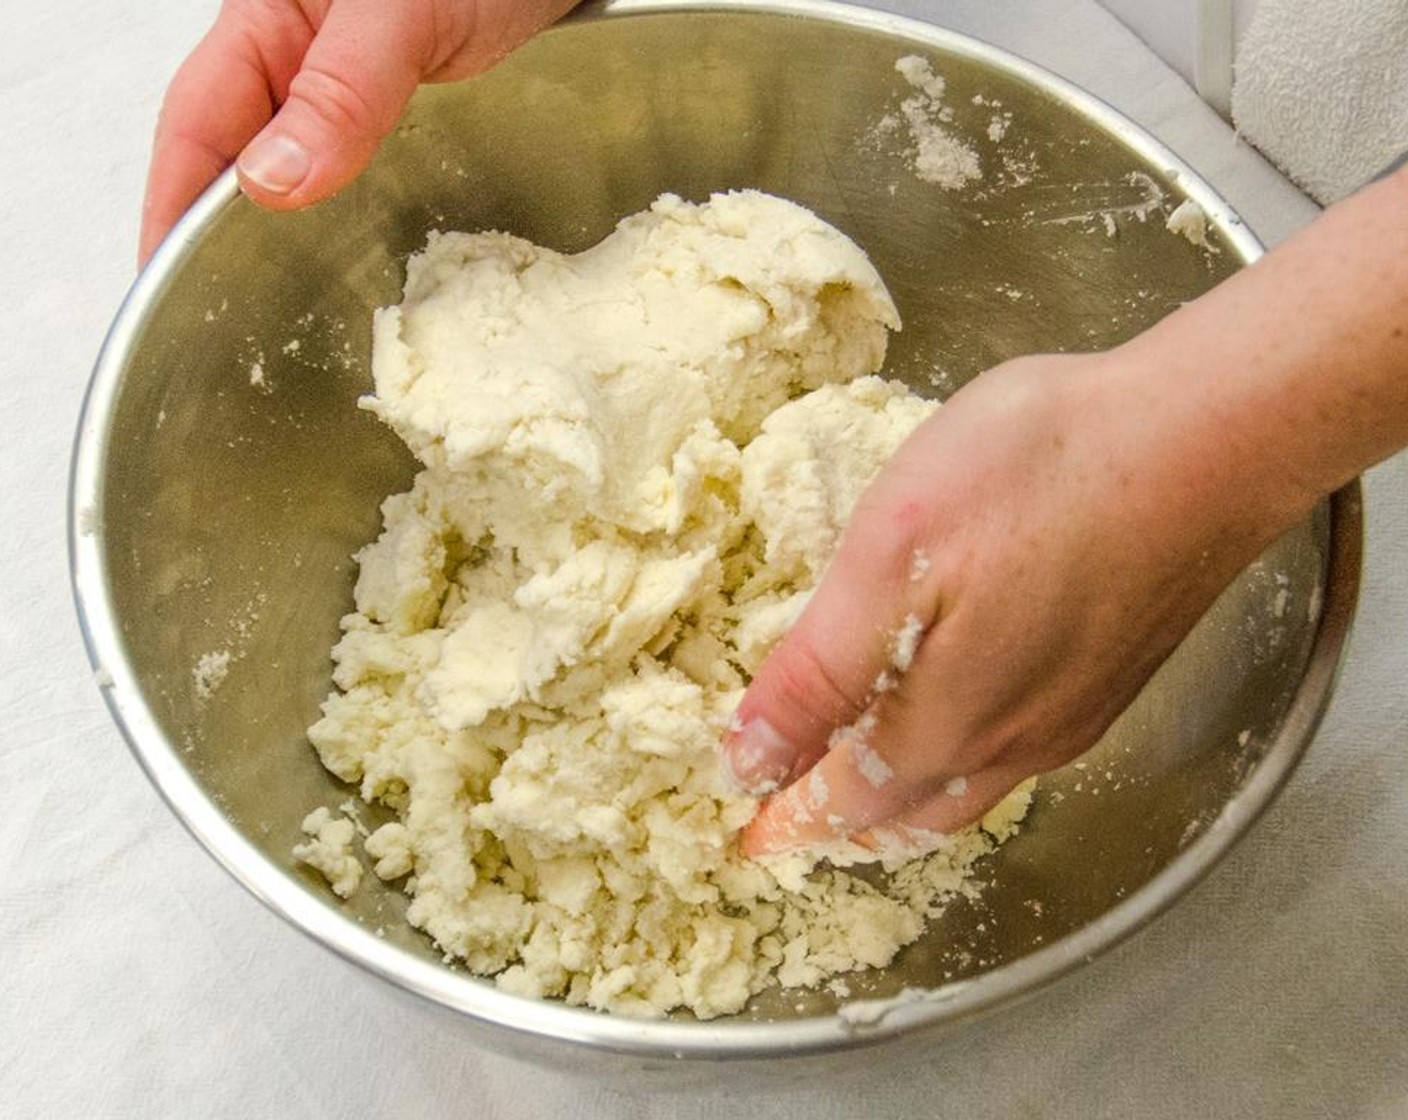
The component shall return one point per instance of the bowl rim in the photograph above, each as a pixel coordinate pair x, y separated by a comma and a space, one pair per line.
725, 1038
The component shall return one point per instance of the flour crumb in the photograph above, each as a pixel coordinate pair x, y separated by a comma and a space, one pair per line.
328, 850
1152, 200
919, 565
919, 73
907, 642
349, 808
1004, 819
956, 787
1103, 204
1190, 221
937, 155
872, 767
210, 672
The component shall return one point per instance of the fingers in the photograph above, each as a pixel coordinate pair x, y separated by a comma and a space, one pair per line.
828, 668
301, 106
905, 773
959, 802
864, 716
220, 97
349, 92
360, 71
852, 792
849, 788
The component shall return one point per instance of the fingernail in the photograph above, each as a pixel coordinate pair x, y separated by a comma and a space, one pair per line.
757, 757
276, 163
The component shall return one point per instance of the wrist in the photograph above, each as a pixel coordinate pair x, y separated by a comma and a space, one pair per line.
1291, 377
1199, 463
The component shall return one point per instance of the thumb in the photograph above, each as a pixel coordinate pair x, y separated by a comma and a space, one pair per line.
360, 71
830, 666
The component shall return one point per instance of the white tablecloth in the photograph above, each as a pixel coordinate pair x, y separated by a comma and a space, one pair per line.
139, 980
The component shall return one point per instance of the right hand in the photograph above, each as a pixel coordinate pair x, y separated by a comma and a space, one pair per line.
1043, 541
1075, 514
301, 92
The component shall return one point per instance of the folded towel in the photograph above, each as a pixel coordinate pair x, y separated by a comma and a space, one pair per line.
1322, 89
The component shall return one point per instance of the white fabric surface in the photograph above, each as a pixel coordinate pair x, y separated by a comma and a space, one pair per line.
1323, 90
138, 980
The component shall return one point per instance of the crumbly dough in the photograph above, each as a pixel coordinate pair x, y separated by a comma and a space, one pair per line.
1190, 220
637, 462
328, 850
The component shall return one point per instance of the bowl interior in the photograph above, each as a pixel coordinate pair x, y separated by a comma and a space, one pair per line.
240, 475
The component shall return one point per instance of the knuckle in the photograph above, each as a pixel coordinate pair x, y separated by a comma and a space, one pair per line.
805, 686
337, 102
893, 527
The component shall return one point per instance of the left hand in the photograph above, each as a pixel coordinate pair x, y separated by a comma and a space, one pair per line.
301, 92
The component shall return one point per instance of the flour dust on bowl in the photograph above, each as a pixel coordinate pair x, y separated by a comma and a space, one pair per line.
225, 475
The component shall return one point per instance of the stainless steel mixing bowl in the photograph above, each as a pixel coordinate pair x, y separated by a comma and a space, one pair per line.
224, 474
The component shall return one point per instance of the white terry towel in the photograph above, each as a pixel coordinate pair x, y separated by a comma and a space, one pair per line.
1321, 88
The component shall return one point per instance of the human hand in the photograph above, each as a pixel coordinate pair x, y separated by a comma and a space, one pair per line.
301, 92
1042, 543
1030, 556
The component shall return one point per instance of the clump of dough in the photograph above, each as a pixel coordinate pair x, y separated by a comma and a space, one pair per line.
637, 462
328, 850
1189, 220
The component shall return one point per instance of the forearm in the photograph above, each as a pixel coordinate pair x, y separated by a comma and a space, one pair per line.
1292, 377
1077, 515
